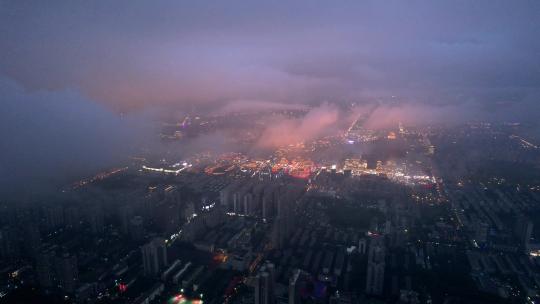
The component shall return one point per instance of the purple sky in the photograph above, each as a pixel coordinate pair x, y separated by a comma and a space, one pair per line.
131, 54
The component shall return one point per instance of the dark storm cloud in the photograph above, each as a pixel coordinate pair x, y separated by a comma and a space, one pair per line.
130, 53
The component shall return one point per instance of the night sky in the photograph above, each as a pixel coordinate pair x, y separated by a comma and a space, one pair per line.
128, 54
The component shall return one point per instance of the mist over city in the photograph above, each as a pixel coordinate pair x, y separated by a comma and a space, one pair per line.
270, 152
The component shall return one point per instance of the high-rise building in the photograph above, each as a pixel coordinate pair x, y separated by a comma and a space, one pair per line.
284, 221
362, 246
302, 288
167, 217
271, 269
44, 269
375, 267
96, 220
279, 232
227, 196
8, 243
269, 201
67, 272
72, 217
32, 240
523, 231
154, 255
53, 217
481, 230
262, 288
125, 214
265, 284
294, 286
136, 229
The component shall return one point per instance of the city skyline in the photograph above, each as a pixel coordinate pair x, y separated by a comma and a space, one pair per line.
284, 152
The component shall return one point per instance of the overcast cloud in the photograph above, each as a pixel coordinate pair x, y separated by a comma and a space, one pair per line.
131, 54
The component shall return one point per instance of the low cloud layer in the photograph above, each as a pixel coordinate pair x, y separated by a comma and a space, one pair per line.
421, 114
52, 137
319, 121
246, 106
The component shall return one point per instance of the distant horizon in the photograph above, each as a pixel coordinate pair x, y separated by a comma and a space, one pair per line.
270, 152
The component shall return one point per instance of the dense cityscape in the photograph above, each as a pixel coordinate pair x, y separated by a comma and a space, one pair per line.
270, 152
362, 216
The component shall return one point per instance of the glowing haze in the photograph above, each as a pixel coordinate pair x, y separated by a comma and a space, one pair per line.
75, 65
317, 122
